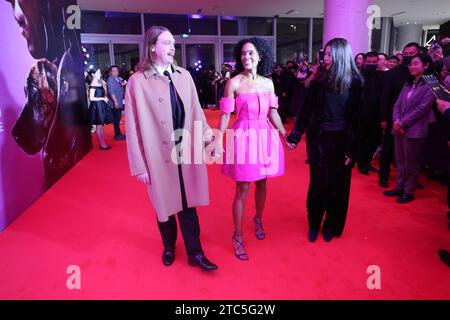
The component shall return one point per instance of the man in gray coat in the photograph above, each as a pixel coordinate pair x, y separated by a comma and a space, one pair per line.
115, 93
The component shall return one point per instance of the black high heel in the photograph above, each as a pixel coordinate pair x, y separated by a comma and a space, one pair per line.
105, 148
243, 255
259, 230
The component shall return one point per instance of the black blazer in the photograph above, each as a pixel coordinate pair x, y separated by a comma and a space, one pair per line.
393, 83
311, 115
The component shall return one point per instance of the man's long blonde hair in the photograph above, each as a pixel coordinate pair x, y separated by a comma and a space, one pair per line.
151, 36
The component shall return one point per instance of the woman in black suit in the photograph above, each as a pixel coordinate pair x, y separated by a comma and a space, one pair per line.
330, 116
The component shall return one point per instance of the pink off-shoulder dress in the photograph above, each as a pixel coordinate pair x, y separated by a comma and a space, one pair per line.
252, 148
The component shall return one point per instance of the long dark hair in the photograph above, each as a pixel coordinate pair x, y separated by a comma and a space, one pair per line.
265, 66
343, 69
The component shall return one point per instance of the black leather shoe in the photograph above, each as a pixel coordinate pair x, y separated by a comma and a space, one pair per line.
393, 193
312, 235
120, 137
444, 255
168, 257
372, 169
104, 148
327, 236
201, 261
405, 198
383, 183
363, 170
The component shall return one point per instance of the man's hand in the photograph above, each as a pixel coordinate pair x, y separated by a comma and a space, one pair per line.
144, 178
398, 128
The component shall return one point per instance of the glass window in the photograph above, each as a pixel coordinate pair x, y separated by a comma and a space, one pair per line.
110, 22
375, 40
96, 55
432, 34
228, 54
126, 57
183, 24
178, 55
317, 42
200, 56
292, 39
200, 60
246, 26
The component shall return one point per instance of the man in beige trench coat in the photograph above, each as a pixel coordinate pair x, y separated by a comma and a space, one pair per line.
159, 99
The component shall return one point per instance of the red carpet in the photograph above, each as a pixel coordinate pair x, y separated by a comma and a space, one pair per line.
99, 218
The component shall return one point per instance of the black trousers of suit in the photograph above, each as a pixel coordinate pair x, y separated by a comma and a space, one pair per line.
117, 112
386, 155
370, 138
329, 184
448, 177
189, 225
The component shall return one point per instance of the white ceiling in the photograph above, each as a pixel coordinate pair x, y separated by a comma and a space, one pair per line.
426, 12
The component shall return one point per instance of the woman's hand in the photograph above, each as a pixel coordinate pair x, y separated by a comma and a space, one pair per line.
290, 146
144, 178
398, 128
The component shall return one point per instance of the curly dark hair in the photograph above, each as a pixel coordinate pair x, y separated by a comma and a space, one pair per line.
265, 66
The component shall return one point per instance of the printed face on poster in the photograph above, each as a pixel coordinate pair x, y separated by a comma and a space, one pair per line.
43, 110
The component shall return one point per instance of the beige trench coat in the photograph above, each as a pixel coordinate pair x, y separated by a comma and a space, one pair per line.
149, 130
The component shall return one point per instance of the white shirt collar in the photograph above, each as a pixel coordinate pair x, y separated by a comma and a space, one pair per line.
161, 70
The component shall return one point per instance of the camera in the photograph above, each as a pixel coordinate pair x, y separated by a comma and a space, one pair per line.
321, 59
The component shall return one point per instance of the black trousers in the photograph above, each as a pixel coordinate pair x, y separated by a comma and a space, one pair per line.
386, 155
329, 184
283, 108
117, 117
448, 177
370, 138
189, 225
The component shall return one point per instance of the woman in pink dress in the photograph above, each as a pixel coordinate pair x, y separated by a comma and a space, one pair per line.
253, 148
